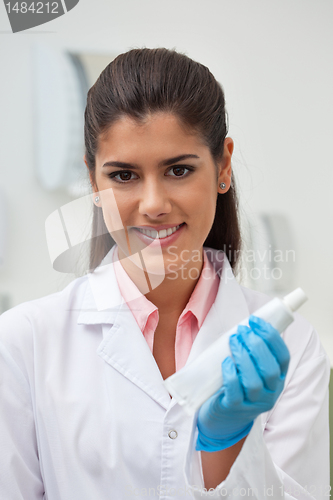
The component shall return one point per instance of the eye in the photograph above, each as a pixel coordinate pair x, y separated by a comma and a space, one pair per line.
124, 176
179, 171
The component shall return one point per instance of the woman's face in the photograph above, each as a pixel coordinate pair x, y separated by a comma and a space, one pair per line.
159, 177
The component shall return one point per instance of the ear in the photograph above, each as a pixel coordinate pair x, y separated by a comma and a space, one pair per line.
225, 169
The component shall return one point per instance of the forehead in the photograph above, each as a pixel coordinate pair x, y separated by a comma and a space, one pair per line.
159, 133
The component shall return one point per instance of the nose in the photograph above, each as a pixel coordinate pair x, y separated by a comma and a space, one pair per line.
154, 201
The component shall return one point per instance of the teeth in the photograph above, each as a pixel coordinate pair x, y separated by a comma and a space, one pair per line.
159, 234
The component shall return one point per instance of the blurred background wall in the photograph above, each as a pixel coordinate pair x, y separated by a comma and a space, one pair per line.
274, 61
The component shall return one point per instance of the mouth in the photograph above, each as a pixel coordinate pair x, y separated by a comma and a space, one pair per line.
162, 238
159, 235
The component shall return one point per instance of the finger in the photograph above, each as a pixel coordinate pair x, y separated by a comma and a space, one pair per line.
247, 372
273, 340
265, 362
243, 329
233, 392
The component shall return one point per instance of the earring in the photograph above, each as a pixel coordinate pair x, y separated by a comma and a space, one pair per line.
222, 185
97, 199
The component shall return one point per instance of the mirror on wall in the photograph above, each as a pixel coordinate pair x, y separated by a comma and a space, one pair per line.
62, 79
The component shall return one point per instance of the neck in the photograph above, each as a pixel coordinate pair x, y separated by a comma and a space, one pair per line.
172, 295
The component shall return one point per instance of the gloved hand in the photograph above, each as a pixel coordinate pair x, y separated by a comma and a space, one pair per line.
251, 385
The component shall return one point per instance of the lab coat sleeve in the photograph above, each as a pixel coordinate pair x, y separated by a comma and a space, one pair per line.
20, 476
286, 453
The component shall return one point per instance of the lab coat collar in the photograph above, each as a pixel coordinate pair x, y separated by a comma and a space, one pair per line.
102, 298
124, 346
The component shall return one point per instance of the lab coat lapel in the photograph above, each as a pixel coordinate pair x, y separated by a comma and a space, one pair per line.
123, 346
126, 350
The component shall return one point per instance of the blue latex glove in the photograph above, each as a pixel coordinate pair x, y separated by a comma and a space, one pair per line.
251, 385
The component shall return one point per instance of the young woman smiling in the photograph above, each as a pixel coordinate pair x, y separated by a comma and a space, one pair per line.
84, 371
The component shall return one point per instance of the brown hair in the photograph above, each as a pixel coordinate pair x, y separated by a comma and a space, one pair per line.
144, 81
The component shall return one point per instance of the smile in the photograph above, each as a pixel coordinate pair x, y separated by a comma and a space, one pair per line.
163, 233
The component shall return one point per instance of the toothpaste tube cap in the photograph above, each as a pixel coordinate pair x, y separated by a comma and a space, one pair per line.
295, 299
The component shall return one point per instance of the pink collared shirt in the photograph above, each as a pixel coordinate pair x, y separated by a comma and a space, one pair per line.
190, 320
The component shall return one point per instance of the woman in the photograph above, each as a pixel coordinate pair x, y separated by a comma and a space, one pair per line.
85, 413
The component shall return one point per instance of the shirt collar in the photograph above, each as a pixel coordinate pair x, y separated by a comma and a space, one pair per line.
201, 299
140, 306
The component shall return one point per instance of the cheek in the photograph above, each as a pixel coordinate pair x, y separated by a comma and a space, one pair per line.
111, 210
203, 207
116, 209
115, 217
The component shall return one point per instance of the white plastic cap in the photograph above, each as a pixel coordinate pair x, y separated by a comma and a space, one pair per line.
295, 299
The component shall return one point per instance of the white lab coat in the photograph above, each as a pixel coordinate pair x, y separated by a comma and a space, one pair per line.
84, 414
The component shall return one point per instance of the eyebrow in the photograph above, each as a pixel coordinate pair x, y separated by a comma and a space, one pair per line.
164, 163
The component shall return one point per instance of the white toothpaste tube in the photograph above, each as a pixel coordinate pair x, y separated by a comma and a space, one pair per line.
199, 380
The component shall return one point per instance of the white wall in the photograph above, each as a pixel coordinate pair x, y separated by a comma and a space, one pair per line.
274, 60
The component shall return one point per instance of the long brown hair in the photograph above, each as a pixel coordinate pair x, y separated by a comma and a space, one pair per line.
144, 81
